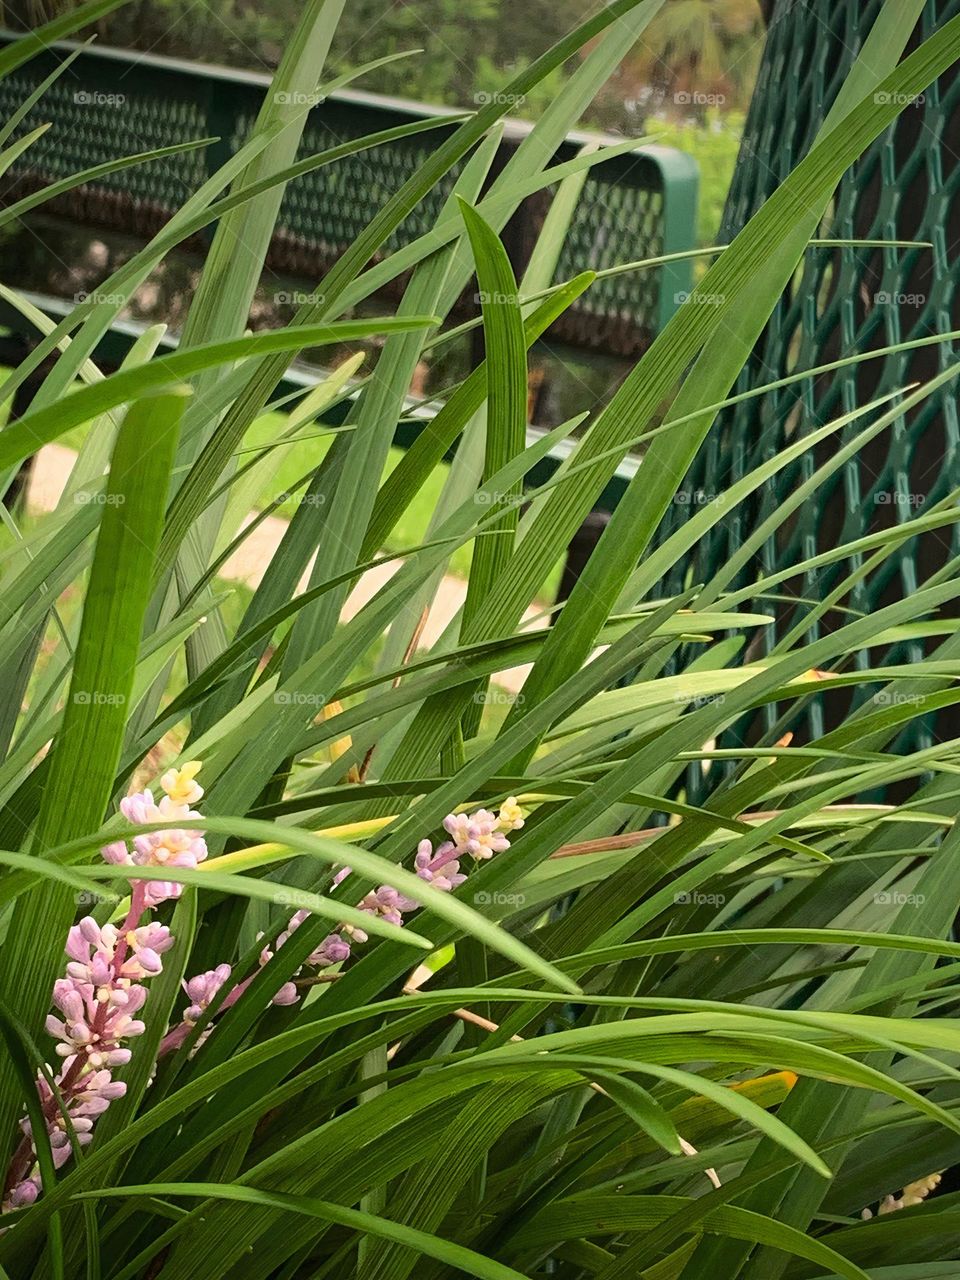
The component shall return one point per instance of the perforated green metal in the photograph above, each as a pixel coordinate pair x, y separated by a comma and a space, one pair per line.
843, 301
112, 103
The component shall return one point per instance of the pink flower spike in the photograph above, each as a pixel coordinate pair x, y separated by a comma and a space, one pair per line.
102, 992
441, 869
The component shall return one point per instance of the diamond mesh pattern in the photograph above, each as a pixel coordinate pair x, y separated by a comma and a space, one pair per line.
111, 104
844, 301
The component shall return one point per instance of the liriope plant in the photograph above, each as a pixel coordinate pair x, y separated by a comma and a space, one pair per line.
390, 986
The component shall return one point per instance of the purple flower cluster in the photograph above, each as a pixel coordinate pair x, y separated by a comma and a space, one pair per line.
169, 849
102, 992
477, 835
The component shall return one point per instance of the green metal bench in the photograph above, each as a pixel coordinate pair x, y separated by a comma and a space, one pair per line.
299, 380
845, 300
113, 102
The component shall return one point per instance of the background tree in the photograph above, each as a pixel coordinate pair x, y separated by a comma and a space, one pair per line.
697, 54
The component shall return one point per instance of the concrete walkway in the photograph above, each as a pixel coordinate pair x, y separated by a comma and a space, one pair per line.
249, 562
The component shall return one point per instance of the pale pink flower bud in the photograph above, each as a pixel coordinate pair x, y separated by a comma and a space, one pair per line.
23, 1194
139, 808
476, 834
116, 853
332, 950
180, 784
387, 903
157, 892
202, 989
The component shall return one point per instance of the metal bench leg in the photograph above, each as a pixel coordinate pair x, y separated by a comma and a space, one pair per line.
580, 549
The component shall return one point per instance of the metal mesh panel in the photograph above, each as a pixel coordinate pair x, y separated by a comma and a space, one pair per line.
92, 123
843, 301
608, 223
111, 103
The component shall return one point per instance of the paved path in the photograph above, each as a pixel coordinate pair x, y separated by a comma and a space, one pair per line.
249, 562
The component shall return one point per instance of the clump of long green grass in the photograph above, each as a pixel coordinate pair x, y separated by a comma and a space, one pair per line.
400, 981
